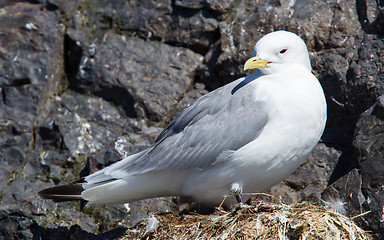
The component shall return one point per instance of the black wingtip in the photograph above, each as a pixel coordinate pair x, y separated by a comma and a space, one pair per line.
63, 193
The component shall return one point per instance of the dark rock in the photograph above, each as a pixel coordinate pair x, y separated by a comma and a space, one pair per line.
14, 224
131, 21
371, 16
184, 23
219, 6
81, 136
126, 71
345, 196
196, 5
196, 32
333, 70
352, 82
66, 7
29, 73
365, 76
31, 69
369, 142
331, 26
75, 45
16, 155
48, 135
82, 124
74, 232
4, 178
175, 22
8, 2
12, 154
95, 109
21, 190
123, 147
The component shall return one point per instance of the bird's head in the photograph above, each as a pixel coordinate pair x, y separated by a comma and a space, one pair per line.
278, 50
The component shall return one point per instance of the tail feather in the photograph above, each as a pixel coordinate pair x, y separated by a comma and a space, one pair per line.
63, 193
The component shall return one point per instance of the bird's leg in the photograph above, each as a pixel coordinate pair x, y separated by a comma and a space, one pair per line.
238, 198
237, 190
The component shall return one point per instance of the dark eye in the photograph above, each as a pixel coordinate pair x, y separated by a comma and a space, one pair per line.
283, 50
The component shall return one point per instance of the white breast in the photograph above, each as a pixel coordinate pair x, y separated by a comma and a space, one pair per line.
296, 123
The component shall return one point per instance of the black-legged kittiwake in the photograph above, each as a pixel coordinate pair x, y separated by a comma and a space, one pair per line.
243, 137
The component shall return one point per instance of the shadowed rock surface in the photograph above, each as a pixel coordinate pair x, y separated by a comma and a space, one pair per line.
86, 83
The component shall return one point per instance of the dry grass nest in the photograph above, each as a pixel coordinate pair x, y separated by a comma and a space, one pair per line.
260, 220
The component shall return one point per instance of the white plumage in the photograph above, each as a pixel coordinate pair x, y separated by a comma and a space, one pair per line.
243, 137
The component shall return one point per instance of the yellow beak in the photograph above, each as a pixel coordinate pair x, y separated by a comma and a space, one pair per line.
255, 62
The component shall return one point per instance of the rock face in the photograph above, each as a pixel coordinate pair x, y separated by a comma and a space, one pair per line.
369, 142
125, 70
85, 83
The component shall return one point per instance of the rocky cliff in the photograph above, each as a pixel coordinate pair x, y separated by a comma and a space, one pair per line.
84, 83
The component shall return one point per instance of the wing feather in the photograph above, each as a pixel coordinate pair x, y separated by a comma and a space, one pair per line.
218, 123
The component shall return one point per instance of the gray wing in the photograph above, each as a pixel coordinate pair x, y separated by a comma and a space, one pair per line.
223, 120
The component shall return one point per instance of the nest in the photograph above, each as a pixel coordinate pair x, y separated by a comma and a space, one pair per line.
260, 220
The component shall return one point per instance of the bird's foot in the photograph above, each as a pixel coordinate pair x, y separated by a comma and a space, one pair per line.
237, 190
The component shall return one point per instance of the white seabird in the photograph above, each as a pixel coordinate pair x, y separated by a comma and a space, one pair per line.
244, 137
